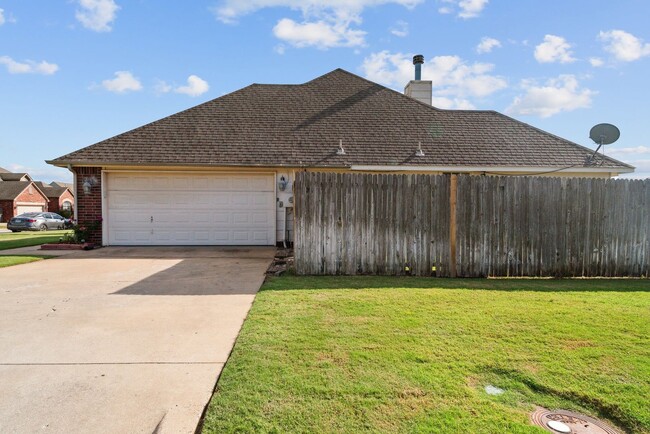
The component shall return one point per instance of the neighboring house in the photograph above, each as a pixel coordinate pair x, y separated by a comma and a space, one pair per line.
221, 173
59, 195
8, 176
19, 194
17, 197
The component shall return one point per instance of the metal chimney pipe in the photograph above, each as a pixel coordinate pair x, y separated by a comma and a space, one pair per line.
418, 60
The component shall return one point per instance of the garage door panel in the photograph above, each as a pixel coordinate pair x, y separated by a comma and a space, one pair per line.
22, 209
201, 209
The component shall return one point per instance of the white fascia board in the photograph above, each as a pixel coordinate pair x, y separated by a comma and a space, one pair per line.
490, 169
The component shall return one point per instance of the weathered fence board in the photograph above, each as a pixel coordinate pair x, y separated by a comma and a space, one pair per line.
502, 226
372, 224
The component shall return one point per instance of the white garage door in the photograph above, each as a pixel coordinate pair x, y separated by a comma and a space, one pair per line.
21, 209
190, 209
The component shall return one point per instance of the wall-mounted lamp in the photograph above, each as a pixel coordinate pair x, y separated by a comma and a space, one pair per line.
88, 184
282, 183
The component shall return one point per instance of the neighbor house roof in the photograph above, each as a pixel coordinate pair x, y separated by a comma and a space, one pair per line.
67, 185
52, 190
11, 190
301, 125
10, 176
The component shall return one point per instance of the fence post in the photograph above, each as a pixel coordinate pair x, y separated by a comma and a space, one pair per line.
452, 225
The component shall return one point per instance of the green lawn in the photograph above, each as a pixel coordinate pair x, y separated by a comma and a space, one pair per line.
24, 239
386, 354
8, 261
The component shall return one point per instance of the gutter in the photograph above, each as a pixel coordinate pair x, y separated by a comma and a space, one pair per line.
493, 170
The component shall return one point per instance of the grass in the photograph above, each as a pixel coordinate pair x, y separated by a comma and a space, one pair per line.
24, 239
386, 354
8, 261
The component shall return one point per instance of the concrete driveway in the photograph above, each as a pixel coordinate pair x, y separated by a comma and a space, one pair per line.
120, 340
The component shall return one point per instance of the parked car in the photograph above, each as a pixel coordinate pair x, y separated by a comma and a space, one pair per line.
36, 221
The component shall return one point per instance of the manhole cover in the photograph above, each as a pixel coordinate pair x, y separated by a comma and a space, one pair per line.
562, 421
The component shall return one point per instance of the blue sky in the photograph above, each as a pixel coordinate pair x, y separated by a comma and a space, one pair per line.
74, 72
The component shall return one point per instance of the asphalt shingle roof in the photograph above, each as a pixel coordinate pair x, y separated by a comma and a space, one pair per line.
9, 176
52, 191
10, 190
300, 125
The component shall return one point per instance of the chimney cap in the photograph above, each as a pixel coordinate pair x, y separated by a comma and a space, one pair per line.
418, 59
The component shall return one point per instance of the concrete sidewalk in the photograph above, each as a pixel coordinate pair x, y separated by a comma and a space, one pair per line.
121, 340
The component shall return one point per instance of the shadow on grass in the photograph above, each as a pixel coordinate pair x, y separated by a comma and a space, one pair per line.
542, 285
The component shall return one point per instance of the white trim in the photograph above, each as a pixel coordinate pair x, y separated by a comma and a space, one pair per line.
489, 169
76, 197
103, 178
32, 203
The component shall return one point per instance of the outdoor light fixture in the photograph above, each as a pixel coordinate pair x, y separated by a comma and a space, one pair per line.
88, 184
282, 183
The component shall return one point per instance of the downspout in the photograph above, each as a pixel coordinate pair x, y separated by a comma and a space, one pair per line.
74, 191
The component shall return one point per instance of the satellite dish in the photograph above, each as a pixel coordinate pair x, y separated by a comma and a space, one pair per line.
604, 134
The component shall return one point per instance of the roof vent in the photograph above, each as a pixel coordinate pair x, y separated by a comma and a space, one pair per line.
418, 60
340, 150
419, 152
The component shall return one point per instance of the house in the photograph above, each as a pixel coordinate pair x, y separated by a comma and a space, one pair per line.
19, 194
221, 173
59, 195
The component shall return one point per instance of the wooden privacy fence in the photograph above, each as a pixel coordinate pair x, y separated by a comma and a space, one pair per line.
471, 226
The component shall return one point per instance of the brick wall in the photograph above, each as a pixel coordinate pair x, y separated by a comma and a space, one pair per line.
31, 195
55, 204
7, 210
89, 206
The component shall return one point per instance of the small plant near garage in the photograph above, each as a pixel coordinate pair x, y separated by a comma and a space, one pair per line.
79, 237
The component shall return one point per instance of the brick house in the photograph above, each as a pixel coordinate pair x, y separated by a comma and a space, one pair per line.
59, 195
221, 173
18, 197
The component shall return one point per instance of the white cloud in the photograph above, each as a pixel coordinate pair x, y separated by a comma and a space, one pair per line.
471, 8
161, 87
280, 49
596, 62
466, 8
123, 82
320, 34
29, 67
230, 10
195, 86
487, 45
624, 46
324, 24
554, 49
454, 81
400, 29
631, 150
2, 16
97, 15
556, 95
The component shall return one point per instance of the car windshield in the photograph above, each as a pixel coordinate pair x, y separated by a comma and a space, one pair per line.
28, 214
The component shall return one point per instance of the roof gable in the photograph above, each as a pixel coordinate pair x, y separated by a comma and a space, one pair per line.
52, 190
10, 190
10, 176
301, 125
